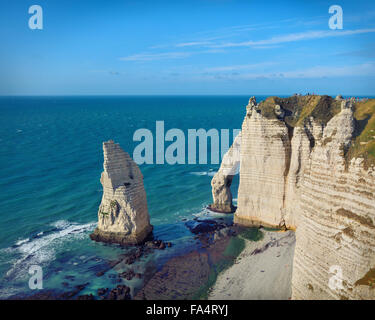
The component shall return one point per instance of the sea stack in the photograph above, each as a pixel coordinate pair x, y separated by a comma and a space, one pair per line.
123, 215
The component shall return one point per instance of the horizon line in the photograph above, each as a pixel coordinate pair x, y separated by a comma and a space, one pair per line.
178, 95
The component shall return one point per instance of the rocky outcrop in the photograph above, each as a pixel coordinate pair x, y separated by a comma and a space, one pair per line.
339, 97
278, 136
123, 215
265, 163
307, 163
263, 159
221, 182
302, 143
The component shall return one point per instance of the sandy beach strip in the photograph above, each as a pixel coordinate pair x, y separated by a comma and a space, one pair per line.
262, 271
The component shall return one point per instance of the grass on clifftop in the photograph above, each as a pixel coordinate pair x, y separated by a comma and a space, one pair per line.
298, 108
363, 145
324, 108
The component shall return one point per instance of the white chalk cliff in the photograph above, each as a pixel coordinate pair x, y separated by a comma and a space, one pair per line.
221, 182
264, 160
123, 215
335, 248
301, 169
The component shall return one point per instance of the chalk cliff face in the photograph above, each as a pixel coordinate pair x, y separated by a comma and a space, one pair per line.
265, 148
335, 248
123, 215
307, 163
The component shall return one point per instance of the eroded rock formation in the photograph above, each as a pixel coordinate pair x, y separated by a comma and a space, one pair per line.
123, 215
265, 148
307, 163
221, 182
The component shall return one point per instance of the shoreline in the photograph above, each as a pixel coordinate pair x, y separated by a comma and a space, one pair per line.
225, 261
262, 271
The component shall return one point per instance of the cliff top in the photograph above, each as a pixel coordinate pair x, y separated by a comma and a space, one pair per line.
363, 145
296, 109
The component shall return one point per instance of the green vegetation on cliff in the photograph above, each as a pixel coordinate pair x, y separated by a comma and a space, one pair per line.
298, 108
363, 145
323, 108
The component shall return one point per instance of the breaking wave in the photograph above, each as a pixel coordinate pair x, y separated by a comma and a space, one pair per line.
41, 248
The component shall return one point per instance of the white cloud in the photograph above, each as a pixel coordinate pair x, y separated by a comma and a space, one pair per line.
156, 56
309, 35
240, 67
366, 69
193, 43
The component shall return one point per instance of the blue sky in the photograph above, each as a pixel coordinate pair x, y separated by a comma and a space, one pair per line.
187, 47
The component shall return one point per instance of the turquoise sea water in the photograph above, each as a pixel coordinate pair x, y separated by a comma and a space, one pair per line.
51, 160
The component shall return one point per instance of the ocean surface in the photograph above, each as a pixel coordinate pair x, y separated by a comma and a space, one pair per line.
51, 160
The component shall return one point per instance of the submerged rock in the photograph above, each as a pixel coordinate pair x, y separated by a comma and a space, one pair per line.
128, 274
201, 226
86, 297
197, 227
121, 292
123, 215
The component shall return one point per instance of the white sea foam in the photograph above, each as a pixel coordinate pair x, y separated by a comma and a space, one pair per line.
22, 241
42, 249
209, 173
207, 213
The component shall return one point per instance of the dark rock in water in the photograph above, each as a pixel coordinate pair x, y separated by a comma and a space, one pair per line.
128, 274
102, 291
189, 276
132, 256
80, 287
86, 297
179, 278
52, 294
41, 295
71, 294
225, 232
202, 226
121, 292
103, 271
157, 244
138, 275
162, 246
228, 208
114, 263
